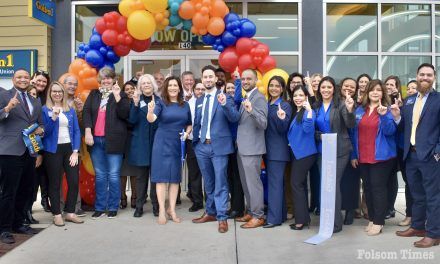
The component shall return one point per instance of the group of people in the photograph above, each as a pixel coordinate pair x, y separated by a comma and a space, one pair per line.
230, 131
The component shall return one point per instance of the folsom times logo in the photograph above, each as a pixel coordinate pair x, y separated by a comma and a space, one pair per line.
403, 254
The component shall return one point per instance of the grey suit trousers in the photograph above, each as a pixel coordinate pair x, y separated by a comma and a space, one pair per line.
249, 167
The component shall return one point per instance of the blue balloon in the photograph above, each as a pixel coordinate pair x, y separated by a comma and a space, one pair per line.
103, 50
94, 31
174, 7
231, 17
228, 38
187, 24
208, 39
248, 29
108, 64
112, 57
237, 32
86, 48
95, 41
220, 48
94, 58
81, 54
218, 41
175, 20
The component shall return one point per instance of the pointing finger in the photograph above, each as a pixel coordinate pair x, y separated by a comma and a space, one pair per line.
16, 94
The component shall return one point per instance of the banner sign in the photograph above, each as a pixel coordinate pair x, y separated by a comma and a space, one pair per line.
11, 60
43, 10
328, 190
33, 142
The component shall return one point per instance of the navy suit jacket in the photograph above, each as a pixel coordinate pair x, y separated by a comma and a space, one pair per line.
277, 146
222, 116
428, 129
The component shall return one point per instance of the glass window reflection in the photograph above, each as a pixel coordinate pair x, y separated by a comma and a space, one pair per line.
340, 67
405, 67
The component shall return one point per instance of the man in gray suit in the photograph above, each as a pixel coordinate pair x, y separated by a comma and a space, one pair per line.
17, 112
251, 146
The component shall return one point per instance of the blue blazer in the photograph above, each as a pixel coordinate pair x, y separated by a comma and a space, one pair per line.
428, 129
222, 117
276, 132
301, 136
141, 144
50, 139
385, 141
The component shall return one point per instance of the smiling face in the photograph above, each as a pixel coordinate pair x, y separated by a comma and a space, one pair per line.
411, 89
425, 79
199, 90
315, 83
275, 89
327, 90
57, 94
107, 83
159, 78
230, 89
146, 86
71, 83
363, 83
391, 87
129, 90
376, 94
248, 80
188, 82
33, 92
173, 89
209, 79
21, 79
348, 86
295, 81
40, 82
299, 97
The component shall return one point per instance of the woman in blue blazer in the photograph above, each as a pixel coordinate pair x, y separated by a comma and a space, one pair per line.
61, 145
376, 158
277, 150
141, 144
302, 141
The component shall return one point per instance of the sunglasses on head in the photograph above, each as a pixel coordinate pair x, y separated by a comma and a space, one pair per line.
41, 72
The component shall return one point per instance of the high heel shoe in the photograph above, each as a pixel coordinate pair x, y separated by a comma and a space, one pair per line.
375, 230
173, 216
295, 227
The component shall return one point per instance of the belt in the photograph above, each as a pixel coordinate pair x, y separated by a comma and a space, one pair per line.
207, 141
412, 148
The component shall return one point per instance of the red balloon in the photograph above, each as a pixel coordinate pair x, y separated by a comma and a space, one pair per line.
244, 46
261, 50
121, 50
228, 59
110, 37
100, 25
245, 62
87, 186
140, 45
65, 187
121, 25
267, 64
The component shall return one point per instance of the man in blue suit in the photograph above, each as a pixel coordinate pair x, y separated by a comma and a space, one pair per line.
212, 141
419, 118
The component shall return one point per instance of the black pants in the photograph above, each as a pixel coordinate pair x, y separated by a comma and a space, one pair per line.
392, 188
142, 187
375, 177
408, 197
315, 187
15, 189
350, 188
298, 181
194, 175
235, 188
56, 165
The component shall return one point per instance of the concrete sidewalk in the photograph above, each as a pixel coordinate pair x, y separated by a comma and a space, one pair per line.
141, 240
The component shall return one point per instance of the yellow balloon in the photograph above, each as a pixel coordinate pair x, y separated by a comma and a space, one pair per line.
141, 24
259, 85
155, 6
124, 7
272, 73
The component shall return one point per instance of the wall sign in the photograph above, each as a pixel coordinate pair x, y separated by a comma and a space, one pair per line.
11, 60
43, 10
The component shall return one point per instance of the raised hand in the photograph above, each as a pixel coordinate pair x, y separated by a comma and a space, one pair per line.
12, 103
381, 110
151, 105
221, 97
395, 110
247, 105
78, 104
349, 102
307, 105
56, 112
188, 96
236, 74
281, 113
136, 97
116, 90
400, 101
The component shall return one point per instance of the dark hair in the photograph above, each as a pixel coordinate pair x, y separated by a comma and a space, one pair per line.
289, 94
282, 83
429, 65
355, 87
370, 86
219, 69
166, 97
128, 83
208, 67
42, 95
396, 80
412, 81
299, 115
360, 77
336, 93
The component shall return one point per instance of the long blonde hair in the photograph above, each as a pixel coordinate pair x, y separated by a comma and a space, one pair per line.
50, 103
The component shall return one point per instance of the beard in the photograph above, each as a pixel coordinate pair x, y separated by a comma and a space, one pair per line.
423, 87
219, 83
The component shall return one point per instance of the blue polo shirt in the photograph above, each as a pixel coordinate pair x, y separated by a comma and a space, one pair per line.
323, 122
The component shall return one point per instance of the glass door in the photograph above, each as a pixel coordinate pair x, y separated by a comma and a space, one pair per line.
143, 64
195, 63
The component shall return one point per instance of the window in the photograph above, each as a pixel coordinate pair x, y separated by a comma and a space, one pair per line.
338, 69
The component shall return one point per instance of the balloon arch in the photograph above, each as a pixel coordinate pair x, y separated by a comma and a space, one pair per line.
116, 34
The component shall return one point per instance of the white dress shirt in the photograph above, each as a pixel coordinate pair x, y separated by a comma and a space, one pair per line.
212, 92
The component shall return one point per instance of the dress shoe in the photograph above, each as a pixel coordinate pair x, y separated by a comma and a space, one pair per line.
58, 220
366, 216
405, 222
195, 207
235, 214
375, 230
80, 212
222, 226
246, 218
337, 230
253, 223
204, 219
295, 227
349, 217
156, 210
73, 218
31, 219
27, 230
123, 204
427, 242
178, 201
357, 214
368, 227
7, 238
138, 212
390, 214
411, 232
45, 204
269, 225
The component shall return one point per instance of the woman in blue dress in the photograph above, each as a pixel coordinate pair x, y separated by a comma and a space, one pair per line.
173, 115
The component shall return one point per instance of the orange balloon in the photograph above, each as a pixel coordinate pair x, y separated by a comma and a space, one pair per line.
187, 10
200, 21
216, 26
76, 65
86, 161
219, 9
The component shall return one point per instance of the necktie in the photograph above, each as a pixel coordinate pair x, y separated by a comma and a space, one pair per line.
415, 118
205, 119
26, 106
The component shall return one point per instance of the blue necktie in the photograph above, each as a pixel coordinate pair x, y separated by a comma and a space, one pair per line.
26, 106
205, 120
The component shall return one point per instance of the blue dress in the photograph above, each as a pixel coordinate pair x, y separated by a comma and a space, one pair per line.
166, 160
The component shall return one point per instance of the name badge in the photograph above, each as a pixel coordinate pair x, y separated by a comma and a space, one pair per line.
49, 113
410, 101
200, 105
142, 104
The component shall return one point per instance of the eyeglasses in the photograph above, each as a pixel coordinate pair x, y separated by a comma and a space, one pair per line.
42, 72
57, 92
72, 84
